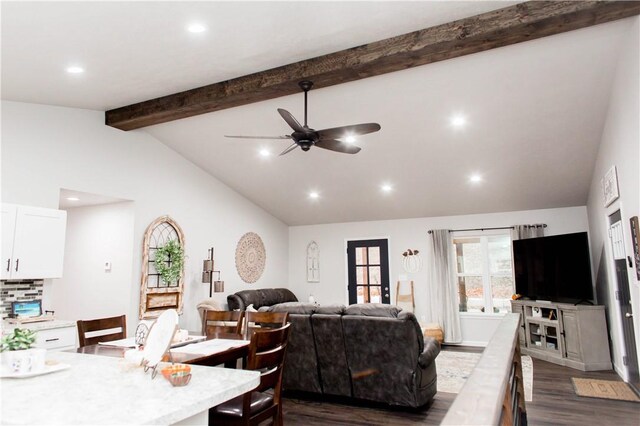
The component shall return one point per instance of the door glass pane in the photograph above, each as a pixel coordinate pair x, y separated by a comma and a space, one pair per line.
374, 275
363, 294
500, 254
376, 292
361, 255
501, 290
468, 255
471, 294
361, 275
374, 255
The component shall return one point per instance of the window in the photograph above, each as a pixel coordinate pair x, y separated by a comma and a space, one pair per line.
485, 273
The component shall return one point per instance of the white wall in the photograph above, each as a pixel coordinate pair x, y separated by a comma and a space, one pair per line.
45, 148
620, 147
405, 234
95, 235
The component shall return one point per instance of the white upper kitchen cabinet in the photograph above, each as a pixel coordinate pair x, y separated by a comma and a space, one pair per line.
32, 242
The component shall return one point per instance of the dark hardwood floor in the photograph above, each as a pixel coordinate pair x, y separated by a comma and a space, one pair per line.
554, 403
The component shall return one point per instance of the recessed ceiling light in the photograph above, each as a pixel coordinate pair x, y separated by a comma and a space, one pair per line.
75, 70
314, 195
350, 139
386, 187
264, 152
196, 28
458, 121
73, 199
475, 178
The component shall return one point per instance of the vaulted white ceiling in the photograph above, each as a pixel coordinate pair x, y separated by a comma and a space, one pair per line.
535, 110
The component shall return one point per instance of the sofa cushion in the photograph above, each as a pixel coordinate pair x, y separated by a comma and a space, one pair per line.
301, 362
373, 310
332, 356
292, 308
330, 310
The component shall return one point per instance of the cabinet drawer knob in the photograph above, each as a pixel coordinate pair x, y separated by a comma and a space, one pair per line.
52, 340
17, 264
8, 264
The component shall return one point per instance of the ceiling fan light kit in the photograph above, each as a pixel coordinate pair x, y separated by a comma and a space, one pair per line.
305, 137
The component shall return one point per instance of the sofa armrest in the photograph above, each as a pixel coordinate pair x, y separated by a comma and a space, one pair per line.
235, 302
431, 351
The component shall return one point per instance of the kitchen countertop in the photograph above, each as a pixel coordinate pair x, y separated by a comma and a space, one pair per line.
105, 390
40, 325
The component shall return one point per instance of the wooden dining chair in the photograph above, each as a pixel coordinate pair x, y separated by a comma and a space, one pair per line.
102, 330
267, 319
221, 323
266, 354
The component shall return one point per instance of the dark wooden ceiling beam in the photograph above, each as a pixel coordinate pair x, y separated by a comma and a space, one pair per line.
502, 27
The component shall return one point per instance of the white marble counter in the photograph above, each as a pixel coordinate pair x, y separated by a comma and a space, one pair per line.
40, 325
105, 390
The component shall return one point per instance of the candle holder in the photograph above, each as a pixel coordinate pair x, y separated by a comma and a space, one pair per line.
207, 275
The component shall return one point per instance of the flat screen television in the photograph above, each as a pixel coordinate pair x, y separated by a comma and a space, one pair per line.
555, 268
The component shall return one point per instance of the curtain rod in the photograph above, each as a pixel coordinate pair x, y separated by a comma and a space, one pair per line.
544, 225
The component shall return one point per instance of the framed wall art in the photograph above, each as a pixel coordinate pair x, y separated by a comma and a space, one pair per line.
251, 257
313, 262
610, 186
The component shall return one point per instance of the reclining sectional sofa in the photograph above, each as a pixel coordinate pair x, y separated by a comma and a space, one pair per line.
370, 352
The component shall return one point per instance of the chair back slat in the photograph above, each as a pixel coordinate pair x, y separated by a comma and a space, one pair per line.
100, 324
217, 323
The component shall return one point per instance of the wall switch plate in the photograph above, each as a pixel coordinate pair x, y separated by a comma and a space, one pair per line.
107, 266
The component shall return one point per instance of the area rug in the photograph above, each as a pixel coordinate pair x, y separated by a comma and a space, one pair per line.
607, 389
454, 367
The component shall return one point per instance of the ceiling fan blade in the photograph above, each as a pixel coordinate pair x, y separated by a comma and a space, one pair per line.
335, 145
291, 120
353, 130
291, 148
258, 137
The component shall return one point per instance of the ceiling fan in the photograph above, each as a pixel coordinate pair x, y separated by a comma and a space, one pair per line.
306, 137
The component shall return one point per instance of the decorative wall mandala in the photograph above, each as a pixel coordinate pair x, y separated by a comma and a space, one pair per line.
250, 257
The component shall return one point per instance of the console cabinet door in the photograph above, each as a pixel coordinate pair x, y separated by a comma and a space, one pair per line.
8, 231
38, 248
571, 335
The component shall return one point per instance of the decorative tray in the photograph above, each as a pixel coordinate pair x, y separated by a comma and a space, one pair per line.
5, 372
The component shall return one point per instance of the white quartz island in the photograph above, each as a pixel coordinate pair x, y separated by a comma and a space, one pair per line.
106, 390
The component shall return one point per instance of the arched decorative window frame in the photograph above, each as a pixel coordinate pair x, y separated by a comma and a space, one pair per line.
313, 262
169, 297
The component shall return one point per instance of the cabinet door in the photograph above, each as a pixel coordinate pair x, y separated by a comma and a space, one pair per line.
38, 249
571, 335
8, 231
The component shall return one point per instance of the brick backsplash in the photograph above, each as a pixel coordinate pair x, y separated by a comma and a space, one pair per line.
11, 291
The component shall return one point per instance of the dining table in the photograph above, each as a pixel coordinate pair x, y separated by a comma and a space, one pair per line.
97, 385
227, 356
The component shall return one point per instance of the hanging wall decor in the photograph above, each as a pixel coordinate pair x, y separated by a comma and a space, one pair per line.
610, 186
411, 261
313, 262
251, 257
162, 281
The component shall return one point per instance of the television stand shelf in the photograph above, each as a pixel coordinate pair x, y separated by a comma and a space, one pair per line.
571, 335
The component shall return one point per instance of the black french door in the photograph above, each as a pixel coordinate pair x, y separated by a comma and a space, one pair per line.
368, 270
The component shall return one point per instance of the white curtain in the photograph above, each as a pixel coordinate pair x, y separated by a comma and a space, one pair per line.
442, 292
521, 232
